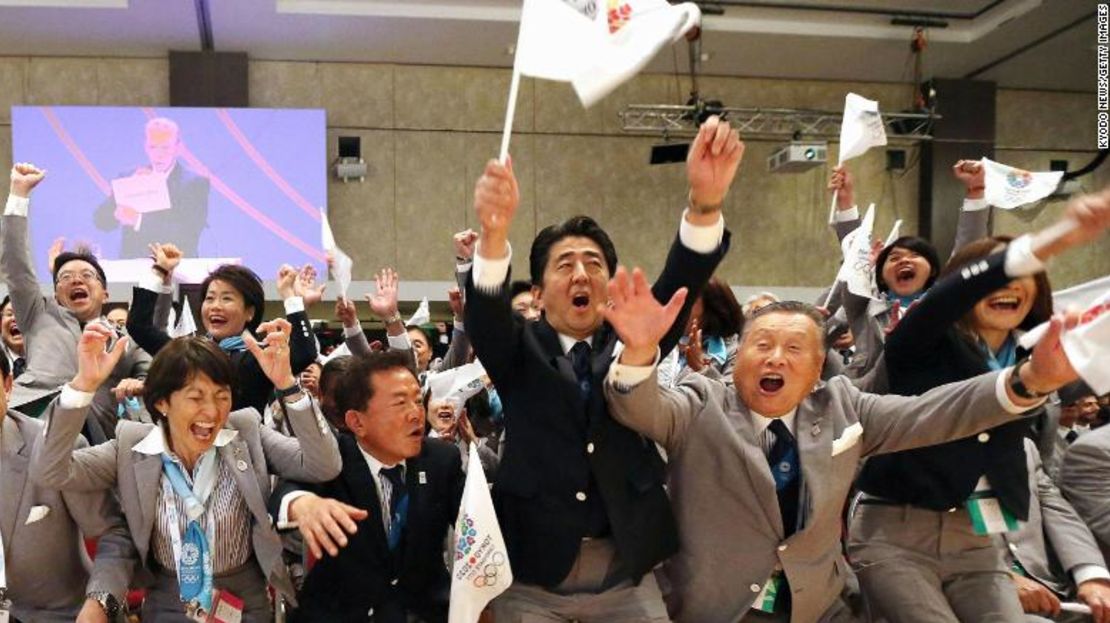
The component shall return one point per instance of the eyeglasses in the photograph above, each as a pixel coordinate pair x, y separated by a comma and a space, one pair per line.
84, 275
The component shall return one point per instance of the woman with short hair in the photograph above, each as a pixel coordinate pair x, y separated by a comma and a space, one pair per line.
193, 486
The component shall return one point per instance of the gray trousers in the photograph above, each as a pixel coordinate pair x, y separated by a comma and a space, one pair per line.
918, 565
163, 601
580, 597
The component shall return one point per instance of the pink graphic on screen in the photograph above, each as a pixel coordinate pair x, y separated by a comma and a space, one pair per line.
219, 183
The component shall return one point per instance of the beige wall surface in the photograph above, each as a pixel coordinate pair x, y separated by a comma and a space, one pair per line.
428, 131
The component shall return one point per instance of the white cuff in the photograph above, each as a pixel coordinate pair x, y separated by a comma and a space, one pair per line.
843, 216
152, 282
625, 377
1000, 387
701, 238
974, 205
283, 522
1087, 572
293, 305
399, 342
1020, 261
352, 331
74, 399
17, 206
489, 273
301, 403
462, 267
459, 327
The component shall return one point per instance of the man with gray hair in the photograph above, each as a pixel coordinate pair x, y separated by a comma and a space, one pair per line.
782, 438
187, 216
756, 302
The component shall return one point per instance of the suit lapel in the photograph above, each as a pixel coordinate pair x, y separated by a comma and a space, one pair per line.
148, 478
235, 456
14, 478
364, 492
417, 502
755, 464
814, 437
553, 348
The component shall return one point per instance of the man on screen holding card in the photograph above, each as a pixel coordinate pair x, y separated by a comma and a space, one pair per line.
159, 202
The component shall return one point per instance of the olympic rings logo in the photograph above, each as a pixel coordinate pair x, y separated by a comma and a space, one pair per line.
487, 577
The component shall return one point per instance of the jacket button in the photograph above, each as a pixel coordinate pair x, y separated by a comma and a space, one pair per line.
590, 448
755, 588
393, 582
580, 496
782, 548
370, 612
984, 437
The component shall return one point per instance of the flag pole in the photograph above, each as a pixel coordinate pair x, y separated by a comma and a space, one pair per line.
510, 112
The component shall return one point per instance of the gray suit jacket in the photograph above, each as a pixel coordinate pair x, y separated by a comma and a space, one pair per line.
47, 567
1051, 518
253, 456
51, 333
730, 527
1084, 478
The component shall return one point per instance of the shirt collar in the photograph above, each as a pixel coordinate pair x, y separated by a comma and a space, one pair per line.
374, 464
155, 440
568, 342
761, 422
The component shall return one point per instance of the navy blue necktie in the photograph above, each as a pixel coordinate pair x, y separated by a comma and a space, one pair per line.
580, 358
398, 504
784, 464
19, 367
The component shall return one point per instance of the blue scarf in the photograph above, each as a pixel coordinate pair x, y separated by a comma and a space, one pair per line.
1006, 355
130, 405
904, 302
194, 569
232, 344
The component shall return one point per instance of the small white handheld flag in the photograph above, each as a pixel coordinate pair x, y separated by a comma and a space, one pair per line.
185, 326
856, 271
457, 384
1008, 187
421, 316
341, 263
862, 127
1087, 345
481, 570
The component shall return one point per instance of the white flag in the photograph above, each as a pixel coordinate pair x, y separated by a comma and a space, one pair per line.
1008, 187
895, 233
481, 570
857, 270
457, 384
421, 316
185, 326
596, 46
1080, 296
1087, 345
341, 263
862, 127
171, 321
636, 31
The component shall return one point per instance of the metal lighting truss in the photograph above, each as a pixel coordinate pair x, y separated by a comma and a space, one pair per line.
769, 123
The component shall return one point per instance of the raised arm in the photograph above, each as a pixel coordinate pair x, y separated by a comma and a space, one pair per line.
893, 423
635, 397
975, 214
54, 462
143, 324
494, 330
16, 263
702, 241
312, 454
846, 220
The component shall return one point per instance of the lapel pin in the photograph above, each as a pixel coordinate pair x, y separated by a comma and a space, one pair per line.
241, 465
816, 429
422, 477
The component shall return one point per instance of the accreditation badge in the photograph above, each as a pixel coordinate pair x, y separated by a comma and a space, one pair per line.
765, 601
226, 608
988, 515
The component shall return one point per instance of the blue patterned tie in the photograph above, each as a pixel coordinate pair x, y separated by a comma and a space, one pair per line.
398, 505
783, 460
580, 358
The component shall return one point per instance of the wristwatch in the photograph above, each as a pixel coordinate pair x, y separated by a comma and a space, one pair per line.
396, 317
292, 390
107, 601
1018, 387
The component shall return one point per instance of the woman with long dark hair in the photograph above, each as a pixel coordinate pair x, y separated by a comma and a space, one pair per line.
920, 539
